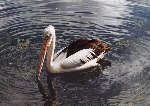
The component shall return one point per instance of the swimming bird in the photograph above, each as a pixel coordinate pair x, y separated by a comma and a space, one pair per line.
79, 55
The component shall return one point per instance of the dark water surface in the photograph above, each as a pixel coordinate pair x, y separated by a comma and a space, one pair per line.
124, 24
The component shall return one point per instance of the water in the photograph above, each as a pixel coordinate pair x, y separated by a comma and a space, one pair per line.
124, 24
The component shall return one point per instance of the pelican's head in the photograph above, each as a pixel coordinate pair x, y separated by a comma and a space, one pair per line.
49, 31
48, 34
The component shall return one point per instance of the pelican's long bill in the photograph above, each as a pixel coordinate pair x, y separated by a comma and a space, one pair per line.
46, 43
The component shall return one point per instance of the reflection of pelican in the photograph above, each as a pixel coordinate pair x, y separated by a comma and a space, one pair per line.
50, 99
79, 55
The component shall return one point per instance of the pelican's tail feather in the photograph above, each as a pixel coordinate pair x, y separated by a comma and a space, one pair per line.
101, 56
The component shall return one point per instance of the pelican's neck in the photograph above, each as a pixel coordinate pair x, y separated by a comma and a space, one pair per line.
50, 53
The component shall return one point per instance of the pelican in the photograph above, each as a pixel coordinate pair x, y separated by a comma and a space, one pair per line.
79, 55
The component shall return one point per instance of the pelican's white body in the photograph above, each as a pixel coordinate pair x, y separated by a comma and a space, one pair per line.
61, 63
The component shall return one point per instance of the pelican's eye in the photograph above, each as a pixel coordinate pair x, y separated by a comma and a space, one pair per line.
46, 36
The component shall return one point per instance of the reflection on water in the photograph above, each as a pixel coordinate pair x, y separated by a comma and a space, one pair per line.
49, 97
124, 24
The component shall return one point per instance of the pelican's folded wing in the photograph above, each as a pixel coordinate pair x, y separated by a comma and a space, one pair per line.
60, 55
79, 58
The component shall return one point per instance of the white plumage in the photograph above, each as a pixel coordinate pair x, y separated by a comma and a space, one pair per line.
79, 55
